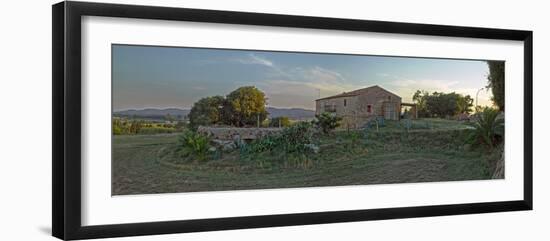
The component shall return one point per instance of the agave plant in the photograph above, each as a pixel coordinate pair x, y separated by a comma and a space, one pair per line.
195, 143
489, 127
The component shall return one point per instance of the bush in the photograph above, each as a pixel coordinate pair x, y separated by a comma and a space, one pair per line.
327, 122
126, 127
489, 128
282, 121
296, 137
195, 143
267, 143
293, 139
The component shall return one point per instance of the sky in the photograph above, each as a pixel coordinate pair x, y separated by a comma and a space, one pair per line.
163, 77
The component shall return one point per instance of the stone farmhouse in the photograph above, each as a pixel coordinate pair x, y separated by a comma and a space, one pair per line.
360, 106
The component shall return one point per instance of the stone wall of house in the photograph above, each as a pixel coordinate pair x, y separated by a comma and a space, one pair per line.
379, 99
356, 113
341, 105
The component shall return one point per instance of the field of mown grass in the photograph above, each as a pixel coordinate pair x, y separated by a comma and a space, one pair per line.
432, 152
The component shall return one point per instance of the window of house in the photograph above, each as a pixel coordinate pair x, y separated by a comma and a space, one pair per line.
345, 102
369, 108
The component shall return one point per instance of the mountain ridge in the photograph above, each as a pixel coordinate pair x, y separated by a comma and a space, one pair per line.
159, 113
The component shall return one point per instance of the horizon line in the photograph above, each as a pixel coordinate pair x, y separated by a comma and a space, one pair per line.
187, 108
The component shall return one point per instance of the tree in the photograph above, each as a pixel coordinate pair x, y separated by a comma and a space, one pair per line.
496, 82
135, 127
420, 98
168, 117
206, 111
119, 128
327, 122
465, 104
245, 106
439, 104
281, 121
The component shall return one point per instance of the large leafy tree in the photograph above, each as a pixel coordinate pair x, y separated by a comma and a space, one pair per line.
496, 82
420, 97
245, 106
207, 111
465, 104
439, 104
442, 105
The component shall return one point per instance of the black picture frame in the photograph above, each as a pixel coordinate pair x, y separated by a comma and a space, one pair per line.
66, 75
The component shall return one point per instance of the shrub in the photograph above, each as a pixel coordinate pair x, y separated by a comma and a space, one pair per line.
282, 121
117, 130
354, 138
195, 143
327, 122
267, 143
295, 138
489, 128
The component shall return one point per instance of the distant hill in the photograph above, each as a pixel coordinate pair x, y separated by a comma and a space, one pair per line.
153, 113
292, 113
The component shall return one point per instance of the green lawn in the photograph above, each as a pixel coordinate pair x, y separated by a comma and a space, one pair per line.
149, 163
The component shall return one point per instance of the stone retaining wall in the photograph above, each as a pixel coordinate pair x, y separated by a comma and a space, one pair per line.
232, 133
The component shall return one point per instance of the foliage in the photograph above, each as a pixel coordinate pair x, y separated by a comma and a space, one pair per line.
489, 128
327, 122
206, 111
118, 127
296, 137
354, 138
267, 143
122, 127
496, 82
282, 121
245, 106
292, 139
169, 117
180, 126
135, 127
420, 98
142, 127
439, 104
194, 143
464, 104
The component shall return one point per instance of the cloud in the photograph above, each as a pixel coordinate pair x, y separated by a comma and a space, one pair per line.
255, 59
304, 84
311, 78
437, 85
325, 74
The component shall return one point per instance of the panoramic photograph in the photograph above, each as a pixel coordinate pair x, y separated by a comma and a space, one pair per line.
203, 119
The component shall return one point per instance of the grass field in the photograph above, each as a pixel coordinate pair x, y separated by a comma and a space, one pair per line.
150, 163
